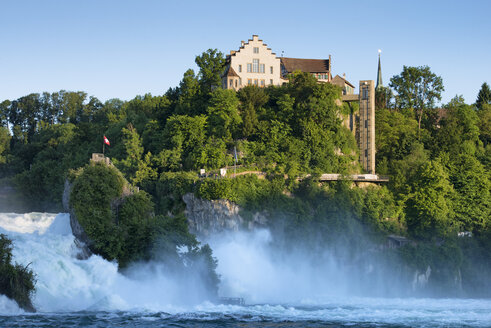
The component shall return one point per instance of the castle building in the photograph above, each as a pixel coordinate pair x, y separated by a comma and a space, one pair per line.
255, 64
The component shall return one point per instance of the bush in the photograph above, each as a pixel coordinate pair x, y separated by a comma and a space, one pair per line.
118, 226
16, 282
91, 198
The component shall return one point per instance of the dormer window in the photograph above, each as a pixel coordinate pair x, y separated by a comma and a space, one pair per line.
256, 50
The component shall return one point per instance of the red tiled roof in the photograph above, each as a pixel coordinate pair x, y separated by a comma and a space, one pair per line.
305, 65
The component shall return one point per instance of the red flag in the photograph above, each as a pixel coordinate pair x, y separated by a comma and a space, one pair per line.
106, 141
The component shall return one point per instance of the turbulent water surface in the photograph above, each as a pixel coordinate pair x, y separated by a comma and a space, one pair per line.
92, 293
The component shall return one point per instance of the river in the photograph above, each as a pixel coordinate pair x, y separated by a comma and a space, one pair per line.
92, 293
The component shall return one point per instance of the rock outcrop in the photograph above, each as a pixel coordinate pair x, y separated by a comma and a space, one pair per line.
81, 239
207, 217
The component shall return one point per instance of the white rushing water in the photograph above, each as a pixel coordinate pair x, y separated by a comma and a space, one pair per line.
276, 291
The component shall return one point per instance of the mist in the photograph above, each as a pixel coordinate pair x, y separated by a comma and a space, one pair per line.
255, 266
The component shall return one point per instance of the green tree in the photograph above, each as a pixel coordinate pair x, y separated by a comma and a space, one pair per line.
383, 97
484, 96
211, 65
252, 98
4, 144
16, 281
485, 124
417, 88
459, 131
223, 114
184, 137
134, 152
429, 206
4, 112
188, 100
395, 137
472, 203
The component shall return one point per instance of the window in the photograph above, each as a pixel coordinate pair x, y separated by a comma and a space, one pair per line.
366, 124
261, 68
240, 68
255, 82
256, 50
240, 81
255, 65
366, 152
249, 81
271, 81
271, 69
249, 68
235, 83
262, 83
231, 82
365, 94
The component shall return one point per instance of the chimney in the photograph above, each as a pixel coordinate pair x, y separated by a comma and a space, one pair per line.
242, 43
330, 74
344, 76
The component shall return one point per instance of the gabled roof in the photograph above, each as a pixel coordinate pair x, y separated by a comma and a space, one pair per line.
244, 44
305, 65
229, 72
338, 80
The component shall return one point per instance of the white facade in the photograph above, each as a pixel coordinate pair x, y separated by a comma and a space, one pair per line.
253, 64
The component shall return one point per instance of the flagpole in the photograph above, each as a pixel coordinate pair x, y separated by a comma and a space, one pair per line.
103, 147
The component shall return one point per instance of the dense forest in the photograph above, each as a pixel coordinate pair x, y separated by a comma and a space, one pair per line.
438, 158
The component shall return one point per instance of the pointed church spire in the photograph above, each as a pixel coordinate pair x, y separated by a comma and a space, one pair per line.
379, 72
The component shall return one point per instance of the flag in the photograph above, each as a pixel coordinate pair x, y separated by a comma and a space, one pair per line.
106, 141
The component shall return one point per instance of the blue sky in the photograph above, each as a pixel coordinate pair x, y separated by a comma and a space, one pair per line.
120, 49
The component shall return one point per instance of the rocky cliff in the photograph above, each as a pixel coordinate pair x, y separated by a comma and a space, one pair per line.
81, 239
207, 217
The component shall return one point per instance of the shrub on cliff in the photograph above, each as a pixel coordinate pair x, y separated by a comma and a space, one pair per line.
118, 223
91, 198
16, 282
121, 226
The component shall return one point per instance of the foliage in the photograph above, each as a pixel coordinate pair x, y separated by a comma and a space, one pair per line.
4, 144
396, 136
16, 281
484, 96
211, 64
383, 97
417, 88
485, 124
429, 209
459, 132
91, 198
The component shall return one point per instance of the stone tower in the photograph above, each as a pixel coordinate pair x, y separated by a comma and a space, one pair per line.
367, 125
